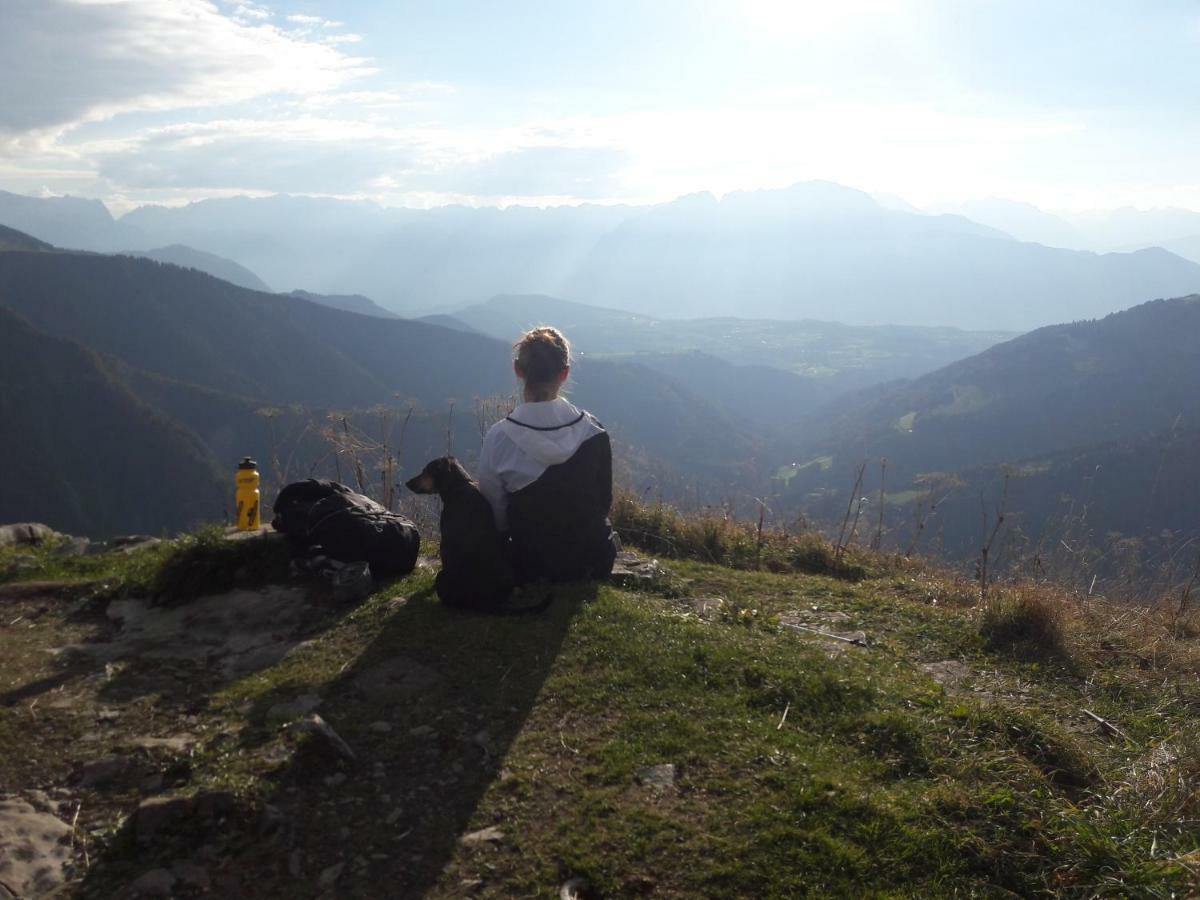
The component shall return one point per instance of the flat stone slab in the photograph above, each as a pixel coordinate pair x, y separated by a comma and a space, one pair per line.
658, 777
266, 532
35, 849
175, 743
491, 835
236, 633
948, 671
631, 570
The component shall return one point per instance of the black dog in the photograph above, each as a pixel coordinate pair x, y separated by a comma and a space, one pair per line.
476, 573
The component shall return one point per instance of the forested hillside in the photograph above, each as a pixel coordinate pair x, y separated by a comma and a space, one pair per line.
81, 451
11, 239
1124, 509
1123, 376
1096, 412
217, 266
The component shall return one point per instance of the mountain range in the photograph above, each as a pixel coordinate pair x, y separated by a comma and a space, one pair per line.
814, 250
200, 360
1123, 229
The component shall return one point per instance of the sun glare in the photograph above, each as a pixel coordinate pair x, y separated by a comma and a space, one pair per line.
789, 19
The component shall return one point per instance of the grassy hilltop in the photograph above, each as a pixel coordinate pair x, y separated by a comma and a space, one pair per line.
937, 746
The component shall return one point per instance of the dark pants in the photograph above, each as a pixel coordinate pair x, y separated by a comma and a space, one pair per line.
557, 560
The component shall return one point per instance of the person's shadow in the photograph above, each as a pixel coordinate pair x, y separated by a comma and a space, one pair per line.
455, 689
429, 709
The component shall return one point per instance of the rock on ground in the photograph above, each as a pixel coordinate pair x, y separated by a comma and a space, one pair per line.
25, 533
330, 875
947, 671
658, 777
35, 849
155, 883
239, 632
491, 835
192, 875
159, 814
317, 729
290, 710
631, 570
104, 771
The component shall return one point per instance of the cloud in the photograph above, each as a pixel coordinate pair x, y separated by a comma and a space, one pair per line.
308, 155
69, 62
418, 94
315, 153
245, 10
171, 99
307, 25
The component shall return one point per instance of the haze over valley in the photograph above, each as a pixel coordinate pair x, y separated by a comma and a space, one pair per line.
781, 254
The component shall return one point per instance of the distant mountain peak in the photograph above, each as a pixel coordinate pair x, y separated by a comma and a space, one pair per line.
209, 263
355, 303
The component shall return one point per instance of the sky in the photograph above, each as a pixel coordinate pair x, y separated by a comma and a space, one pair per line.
1067, 105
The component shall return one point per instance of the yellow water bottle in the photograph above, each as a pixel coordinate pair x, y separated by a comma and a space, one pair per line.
248, 512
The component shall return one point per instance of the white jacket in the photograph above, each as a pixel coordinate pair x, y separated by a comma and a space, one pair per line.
519, 448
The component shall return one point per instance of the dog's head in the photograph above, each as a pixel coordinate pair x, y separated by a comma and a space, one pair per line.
438, 476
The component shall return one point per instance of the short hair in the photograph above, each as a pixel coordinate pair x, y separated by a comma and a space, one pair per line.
542, 354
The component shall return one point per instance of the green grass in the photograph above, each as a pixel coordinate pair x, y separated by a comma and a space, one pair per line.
805, 766
716, 538
175, 571
46, 562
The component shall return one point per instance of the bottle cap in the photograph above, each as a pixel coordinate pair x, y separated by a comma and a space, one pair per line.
247, 463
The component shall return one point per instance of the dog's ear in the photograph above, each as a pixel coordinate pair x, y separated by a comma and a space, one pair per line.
456, 470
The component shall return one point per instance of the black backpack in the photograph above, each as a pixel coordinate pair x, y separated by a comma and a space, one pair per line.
320, 516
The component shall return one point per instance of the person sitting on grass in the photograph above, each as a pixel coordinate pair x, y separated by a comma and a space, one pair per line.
546, 470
